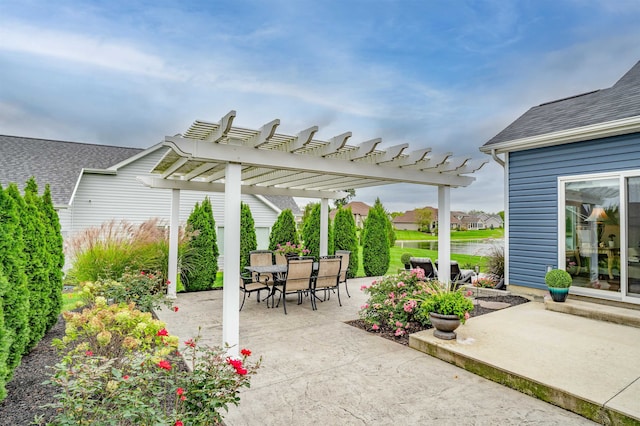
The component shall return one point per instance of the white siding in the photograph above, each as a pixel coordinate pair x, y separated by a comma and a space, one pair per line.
100, 198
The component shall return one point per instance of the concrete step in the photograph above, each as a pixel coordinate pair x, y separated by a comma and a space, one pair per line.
596, 311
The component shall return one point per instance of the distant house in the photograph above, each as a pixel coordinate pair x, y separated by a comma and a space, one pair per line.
359, 210
459, 220
92, 184
573, 191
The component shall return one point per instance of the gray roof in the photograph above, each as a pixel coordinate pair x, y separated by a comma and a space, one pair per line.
59, 164
615, 103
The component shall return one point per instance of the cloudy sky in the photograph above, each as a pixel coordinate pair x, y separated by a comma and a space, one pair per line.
442, 74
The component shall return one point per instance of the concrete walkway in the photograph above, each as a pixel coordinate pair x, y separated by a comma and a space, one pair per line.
317, 369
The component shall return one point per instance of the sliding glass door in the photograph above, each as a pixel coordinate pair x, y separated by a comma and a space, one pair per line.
633, 237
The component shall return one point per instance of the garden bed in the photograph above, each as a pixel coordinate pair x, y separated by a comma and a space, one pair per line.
414, 327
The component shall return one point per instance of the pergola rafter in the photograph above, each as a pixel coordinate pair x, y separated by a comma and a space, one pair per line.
220, 157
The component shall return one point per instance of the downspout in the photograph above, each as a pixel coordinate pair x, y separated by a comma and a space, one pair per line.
496, 158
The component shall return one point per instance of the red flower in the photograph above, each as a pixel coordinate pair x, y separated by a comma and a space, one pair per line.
245, 352
162, 332
88, 353
165, 365
241, 371
180, 391
190, 343
168, 282
178, 423
125, 377
236, 363
142, 273
182, 398
175, 309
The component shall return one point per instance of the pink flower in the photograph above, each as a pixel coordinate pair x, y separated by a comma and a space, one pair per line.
88, 353
245, 352
126, 377
398, 324
162, 332
165, 365
168, 282
468, 293
190, 343
467, 316
182, 398
400, 284
142, 273
363, 287
365, 306
175, 309
375, 327
399, 332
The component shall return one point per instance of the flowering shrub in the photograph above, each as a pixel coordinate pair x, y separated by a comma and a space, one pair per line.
123, 368
290, 248
146, 290
395, 300
446, 300
484, 282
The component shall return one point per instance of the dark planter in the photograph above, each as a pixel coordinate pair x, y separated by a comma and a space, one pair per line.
559, 294
444, 325
407, 266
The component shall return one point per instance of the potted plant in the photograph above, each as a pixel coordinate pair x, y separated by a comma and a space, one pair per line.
558, 281
612, 240
447, 309
406, 260
290, 249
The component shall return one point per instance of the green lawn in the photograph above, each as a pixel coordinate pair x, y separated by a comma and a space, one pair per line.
455, 235
69, 301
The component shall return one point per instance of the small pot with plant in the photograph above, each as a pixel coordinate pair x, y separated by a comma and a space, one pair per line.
558, 281
446, 308
406, 260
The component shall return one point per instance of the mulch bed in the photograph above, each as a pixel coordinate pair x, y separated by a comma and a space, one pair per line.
389, 332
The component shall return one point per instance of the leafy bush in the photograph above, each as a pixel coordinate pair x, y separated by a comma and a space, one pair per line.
394, 301
405, 258
248, 241
375, 250
311, 231
283, 230
346, 237
558, 278
205, 248
123, 365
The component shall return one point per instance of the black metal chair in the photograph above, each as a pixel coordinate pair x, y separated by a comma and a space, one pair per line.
425, 263
248, 285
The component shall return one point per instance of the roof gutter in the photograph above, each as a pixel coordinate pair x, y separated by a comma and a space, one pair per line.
593, 131
497, 159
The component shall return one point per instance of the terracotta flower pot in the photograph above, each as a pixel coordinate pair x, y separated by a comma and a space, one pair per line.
444, 325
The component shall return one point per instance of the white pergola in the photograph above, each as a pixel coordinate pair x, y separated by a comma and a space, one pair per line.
219, 157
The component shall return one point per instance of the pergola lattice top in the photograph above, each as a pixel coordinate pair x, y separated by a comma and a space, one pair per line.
278, 164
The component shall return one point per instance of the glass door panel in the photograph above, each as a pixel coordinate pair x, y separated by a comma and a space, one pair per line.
633, 237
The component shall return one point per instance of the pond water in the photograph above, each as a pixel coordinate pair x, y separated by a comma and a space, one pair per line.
473, 247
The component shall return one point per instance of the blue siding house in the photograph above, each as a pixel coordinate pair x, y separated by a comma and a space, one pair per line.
572, 183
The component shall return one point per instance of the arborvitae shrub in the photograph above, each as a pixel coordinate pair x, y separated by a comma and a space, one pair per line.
4, 338
346, 238
202, 226
311, 231
283, 230
12, 257
248, 241
375, 250
55, 247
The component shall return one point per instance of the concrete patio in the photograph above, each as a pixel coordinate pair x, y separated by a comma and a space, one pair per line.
315, 368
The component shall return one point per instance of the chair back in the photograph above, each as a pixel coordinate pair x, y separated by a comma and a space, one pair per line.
299, 271
454, 270
281, 259
424, 263
344, 265
329, 272
261, 258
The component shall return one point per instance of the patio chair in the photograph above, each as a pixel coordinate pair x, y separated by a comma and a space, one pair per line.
459, 276
299, 271
425, 263
328, 278
281, 259
261, 258
344, 266
248, 286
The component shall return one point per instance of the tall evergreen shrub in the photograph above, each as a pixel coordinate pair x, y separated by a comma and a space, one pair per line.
38, 263
284, 230
375, 250
16, 296
204, 247
55, 247
5, 343
346, 238
248, 240
311, 231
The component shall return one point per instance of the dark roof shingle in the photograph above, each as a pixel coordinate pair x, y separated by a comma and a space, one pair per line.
600, 106
57, 163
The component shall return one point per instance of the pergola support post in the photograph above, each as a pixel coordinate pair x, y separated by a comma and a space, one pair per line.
324, 226
231, 288
444, 233
174, 227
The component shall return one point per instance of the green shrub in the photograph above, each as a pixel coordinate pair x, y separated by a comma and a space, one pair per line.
346, 237
283, 230
375, 248
248, 241
202, 227
446, 301
5, 343
405, 258
558, 278
311, 231
55, 247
